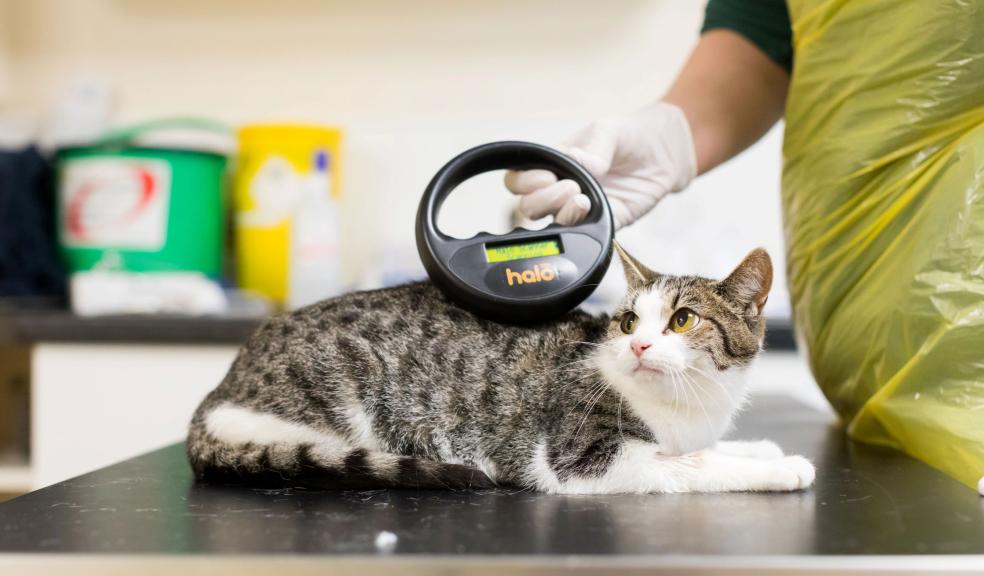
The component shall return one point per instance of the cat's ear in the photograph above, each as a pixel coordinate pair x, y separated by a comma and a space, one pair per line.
636, 274
750, 282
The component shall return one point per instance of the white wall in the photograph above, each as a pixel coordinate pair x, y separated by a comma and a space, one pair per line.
377, 61
413, 83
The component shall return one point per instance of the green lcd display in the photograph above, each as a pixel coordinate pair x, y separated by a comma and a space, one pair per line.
507, 252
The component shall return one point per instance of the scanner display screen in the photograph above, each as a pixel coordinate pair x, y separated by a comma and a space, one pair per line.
519, 251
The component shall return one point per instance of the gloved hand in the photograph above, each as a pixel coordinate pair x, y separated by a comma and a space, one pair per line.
637, 159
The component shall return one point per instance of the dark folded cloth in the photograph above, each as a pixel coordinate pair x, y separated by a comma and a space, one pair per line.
29, 261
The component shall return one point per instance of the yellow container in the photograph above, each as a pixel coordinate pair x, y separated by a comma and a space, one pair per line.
276, 162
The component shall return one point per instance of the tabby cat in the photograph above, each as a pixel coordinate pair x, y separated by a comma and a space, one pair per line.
400, 387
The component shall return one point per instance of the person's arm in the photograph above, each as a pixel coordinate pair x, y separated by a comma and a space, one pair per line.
731, 93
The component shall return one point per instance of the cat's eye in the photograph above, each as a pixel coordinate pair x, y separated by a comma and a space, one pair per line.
629, 321
684, 320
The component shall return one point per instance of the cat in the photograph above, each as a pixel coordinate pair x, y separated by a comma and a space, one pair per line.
400, 387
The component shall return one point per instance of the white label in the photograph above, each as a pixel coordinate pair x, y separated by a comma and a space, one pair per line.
115, 203
275, 189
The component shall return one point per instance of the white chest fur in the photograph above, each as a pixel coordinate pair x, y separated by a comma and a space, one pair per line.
693, 421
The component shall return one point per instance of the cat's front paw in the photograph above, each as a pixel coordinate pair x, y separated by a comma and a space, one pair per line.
719, 472
790, 473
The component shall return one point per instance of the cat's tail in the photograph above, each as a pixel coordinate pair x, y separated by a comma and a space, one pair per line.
326, 465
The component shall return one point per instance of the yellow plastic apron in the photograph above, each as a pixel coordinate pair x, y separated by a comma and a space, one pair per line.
883, 204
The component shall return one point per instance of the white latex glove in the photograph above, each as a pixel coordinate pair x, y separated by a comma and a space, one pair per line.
637, 159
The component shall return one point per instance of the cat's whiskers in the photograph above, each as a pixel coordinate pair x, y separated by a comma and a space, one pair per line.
697, 383
587, 413
732, 402
590, 356
677, 387
678, 398
686, 391
580, 369
587, 397
668, 371
690, 383
621, 397
716, 381
587, 360
589, 404
597, 344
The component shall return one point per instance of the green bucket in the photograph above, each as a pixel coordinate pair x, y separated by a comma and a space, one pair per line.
126, 205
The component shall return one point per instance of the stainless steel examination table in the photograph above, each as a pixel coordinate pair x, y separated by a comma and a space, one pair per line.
870, 510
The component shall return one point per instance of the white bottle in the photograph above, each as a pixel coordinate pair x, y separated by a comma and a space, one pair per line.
315, 250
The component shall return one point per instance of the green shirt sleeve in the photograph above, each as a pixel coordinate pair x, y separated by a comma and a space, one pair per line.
764, 22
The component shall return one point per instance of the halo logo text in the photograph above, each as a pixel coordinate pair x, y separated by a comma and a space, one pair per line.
539, 273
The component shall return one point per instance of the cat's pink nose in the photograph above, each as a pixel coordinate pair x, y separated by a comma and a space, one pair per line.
640, 346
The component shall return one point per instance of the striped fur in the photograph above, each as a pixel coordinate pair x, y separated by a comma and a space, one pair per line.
402, 388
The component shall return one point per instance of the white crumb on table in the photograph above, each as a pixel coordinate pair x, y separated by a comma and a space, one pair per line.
385, 541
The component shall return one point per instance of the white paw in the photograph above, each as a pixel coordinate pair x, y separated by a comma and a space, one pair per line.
726, 473
784, 474
793, 473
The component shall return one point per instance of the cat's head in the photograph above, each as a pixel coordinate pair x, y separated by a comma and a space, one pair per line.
684, 340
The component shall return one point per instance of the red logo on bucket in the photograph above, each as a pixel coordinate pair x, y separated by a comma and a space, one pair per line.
115, 203
73, 214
